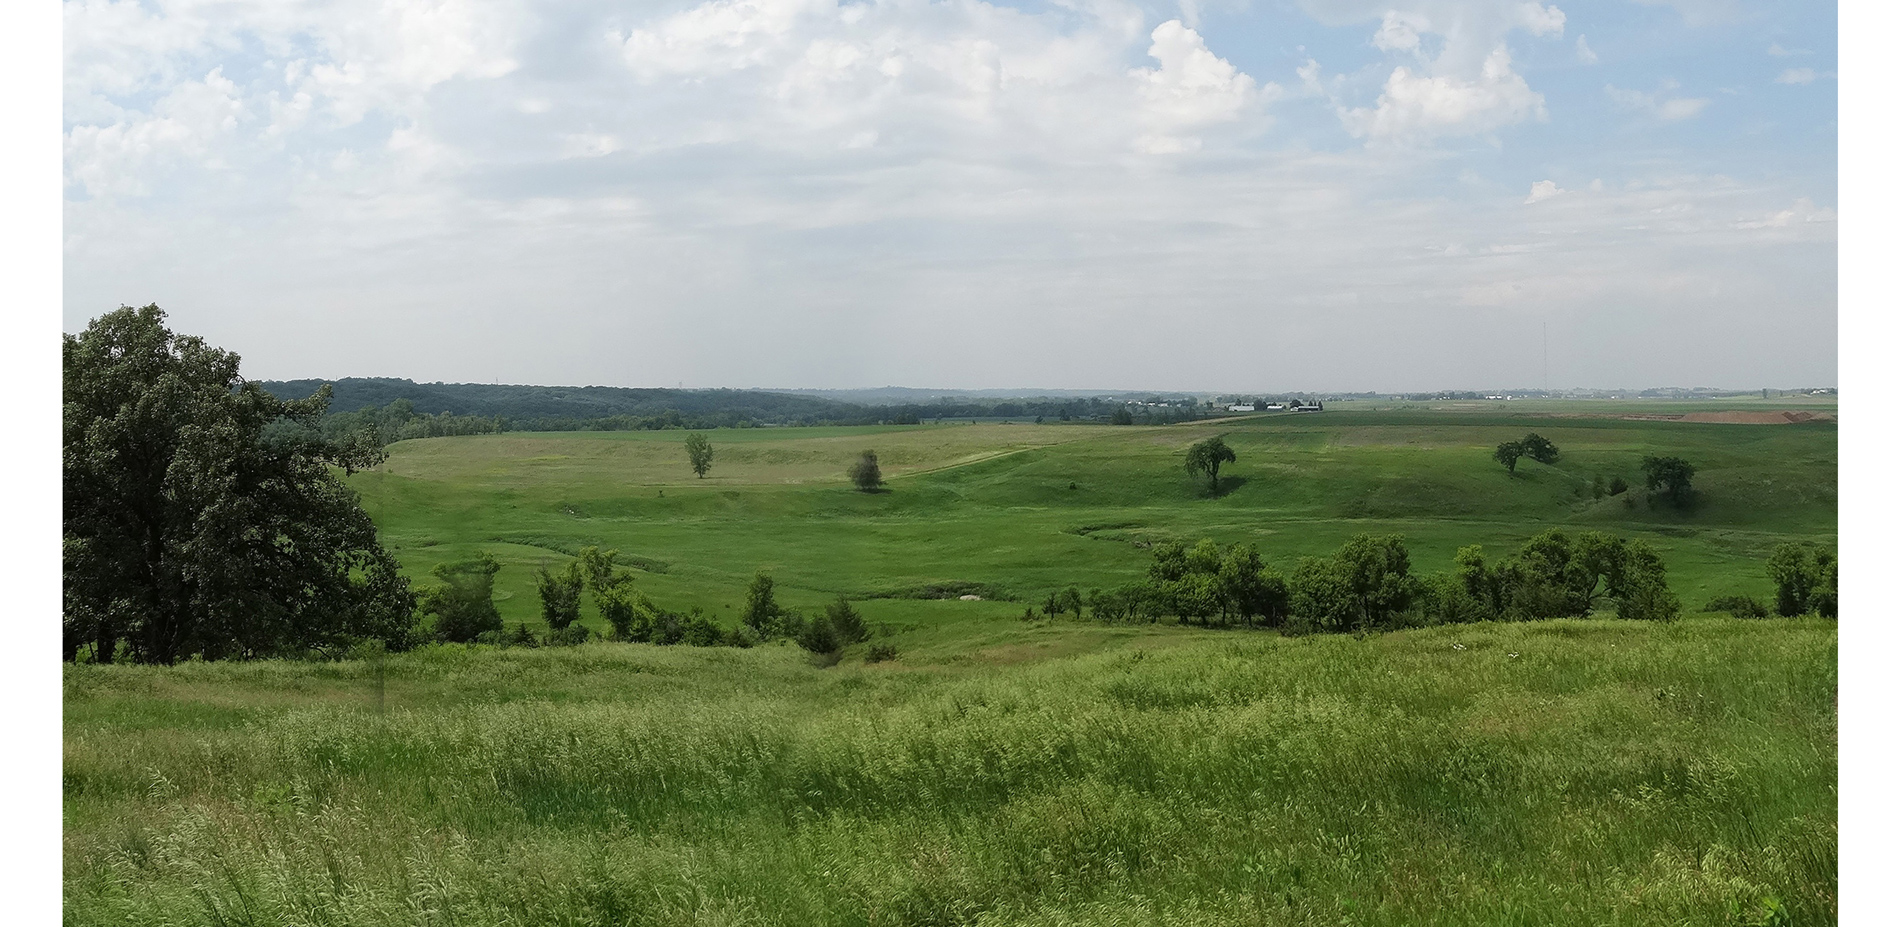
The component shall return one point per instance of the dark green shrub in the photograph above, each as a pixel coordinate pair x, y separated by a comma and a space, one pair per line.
880, 652
762, 611
462, 608
847, 621
699, 631
1444, 599
668, 629
1642, 592
1805, 578
569, 636
1739, 606
629, 612
818, 636
560, 594
523, 637
740, 636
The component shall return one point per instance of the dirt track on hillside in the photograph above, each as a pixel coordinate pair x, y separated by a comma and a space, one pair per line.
1738, 418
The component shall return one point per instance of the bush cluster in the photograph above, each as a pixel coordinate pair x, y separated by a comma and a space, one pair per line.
1806, 579
1368, 584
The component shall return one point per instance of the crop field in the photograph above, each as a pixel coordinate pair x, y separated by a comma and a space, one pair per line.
1000, 771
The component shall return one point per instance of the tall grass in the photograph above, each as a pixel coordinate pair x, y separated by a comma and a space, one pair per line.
1587, 772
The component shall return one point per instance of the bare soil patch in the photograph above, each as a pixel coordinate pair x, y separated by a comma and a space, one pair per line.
1739, 418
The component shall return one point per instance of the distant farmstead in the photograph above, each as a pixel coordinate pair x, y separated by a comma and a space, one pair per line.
1240, 408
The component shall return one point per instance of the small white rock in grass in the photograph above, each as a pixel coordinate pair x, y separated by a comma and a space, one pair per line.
969, 598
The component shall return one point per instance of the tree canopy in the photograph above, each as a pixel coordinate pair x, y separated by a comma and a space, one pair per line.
1670, 476
1538, 448
699, 453
1507, 454
1205, 458
201, 513
1533, 445
864, 472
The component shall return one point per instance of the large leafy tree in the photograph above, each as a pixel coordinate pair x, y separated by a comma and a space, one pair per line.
1205, 458
1670, 476
699, 453
865, 474
1507, 454
202, 515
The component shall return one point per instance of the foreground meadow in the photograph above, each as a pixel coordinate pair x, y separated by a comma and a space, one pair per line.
1565, 772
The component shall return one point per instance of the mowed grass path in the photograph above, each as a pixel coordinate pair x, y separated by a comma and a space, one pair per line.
1572, 772
1029, 509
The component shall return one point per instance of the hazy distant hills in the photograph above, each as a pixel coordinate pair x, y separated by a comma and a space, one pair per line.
906, 395
578, 402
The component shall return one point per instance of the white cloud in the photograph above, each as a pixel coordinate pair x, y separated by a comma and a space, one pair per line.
182, 126
814, 74
1584, 53
764, 180
1422, 106
1399, 31
1192, 88
1801, 213
324, 66
1796, 76
726, 35
1191, 13
1775, 49
1660, 104
1458, 83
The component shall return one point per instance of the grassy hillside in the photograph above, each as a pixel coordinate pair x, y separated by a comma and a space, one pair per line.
1003, 772
1570, 772
1028, 508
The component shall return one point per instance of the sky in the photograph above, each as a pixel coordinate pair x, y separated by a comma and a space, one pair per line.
1244, 195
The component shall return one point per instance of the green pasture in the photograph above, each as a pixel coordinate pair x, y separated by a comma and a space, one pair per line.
1027, 509
1000, 771
1586, 772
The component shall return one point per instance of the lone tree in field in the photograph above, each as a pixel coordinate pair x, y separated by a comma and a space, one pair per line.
1533, 445
1507, 454
864, 473
201, 514
699, 453
1671, 476
1538, 448
1205, 458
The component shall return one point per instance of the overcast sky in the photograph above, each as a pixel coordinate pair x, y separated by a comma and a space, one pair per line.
1214, 195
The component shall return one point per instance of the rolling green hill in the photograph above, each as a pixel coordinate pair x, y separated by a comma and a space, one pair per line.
1030, 509
1002, 772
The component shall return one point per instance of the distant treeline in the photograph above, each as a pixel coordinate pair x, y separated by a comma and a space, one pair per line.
518, 408
398, 409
